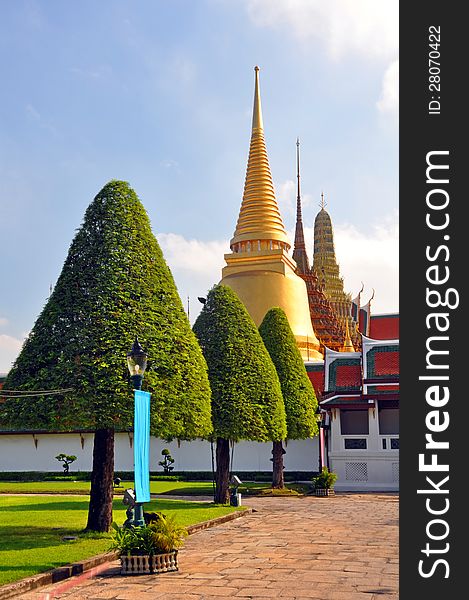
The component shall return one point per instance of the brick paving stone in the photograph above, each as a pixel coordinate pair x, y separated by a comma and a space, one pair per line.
344, 547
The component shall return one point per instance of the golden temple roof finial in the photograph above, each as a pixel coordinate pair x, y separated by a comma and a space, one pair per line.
257, 122
348, 346
323, 203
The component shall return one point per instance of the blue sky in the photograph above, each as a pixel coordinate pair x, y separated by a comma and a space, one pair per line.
159, 94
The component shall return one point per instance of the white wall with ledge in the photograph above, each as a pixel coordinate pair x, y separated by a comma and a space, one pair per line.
25, 452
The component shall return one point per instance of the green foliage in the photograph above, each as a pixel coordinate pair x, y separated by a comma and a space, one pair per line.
67, 460
325, 480
298, 393
114, 285
161, 536
246, 398
167, 461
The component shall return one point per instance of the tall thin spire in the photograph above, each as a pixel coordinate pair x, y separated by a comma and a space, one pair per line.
257, 122
299, 252
298, 194
259, 217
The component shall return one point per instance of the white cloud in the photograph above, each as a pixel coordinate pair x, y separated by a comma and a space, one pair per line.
192, 255
169, 163
32, 113
196, 266
388, 103
365, 27
285, 192
9, 350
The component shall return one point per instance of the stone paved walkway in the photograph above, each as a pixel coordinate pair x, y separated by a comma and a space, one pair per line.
339, 548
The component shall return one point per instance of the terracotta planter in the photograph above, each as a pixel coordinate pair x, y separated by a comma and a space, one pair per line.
324, 492
158, 563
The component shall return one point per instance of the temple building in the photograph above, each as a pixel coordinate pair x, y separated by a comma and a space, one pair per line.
259, 268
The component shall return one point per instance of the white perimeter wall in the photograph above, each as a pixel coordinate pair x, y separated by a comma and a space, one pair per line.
19, 453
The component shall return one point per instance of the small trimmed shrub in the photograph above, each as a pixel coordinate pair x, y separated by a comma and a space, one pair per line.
67, 460
167, 461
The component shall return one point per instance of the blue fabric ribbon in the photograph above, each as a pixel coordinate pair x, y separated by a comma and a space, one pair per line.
142, 446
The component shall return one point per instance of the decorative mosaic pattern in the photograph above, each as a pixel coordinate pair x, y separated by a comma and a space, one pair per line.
382, 361
345, 375
356, 471
384, 327
316, 376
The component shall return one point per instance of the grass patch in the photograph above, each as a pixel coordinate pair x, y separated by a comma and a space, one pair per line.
32, 528
83, 487
181, 488
259, 489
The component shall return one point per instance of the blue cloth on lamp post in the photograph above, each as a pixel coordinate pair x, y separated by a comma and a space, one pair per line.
142, 446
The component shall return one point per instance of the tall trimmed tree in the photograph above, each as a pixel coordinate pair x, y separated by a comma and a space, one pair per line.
298, 393
114, 285
247, 401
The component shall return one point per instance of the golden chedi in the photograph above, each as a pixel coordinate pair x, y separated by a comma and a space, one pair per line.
259, 268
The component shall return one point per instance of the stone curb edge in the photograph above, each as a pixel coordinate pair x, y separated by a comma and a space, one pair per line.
56, 575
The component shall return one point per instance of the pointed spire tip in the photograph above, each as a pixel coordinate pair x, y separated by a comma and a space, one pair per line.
257, 110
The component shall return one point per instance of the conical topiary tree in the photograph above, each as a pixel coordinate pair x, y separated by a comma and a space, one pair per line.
247, 402
114, 285
298, 393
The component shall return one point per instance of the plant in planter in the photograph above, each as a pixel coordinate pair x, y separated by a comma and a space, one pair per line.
149, 549
324, 482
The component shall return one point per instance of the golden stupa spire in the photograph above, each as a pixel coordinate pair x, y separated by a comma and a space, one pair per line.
259, 223
348, 346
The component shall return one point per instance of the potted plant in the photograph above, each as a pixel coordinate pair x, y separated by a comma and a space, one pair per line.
324, 482
149, 549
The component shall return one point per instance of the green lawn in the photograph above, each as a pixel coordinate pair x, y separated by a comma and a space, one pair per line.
32, 528
156, 487
183, 488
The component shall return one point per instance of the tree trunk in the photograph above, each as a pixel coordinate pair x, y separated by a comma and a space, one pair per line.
222, 474
277, 469
101, 495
